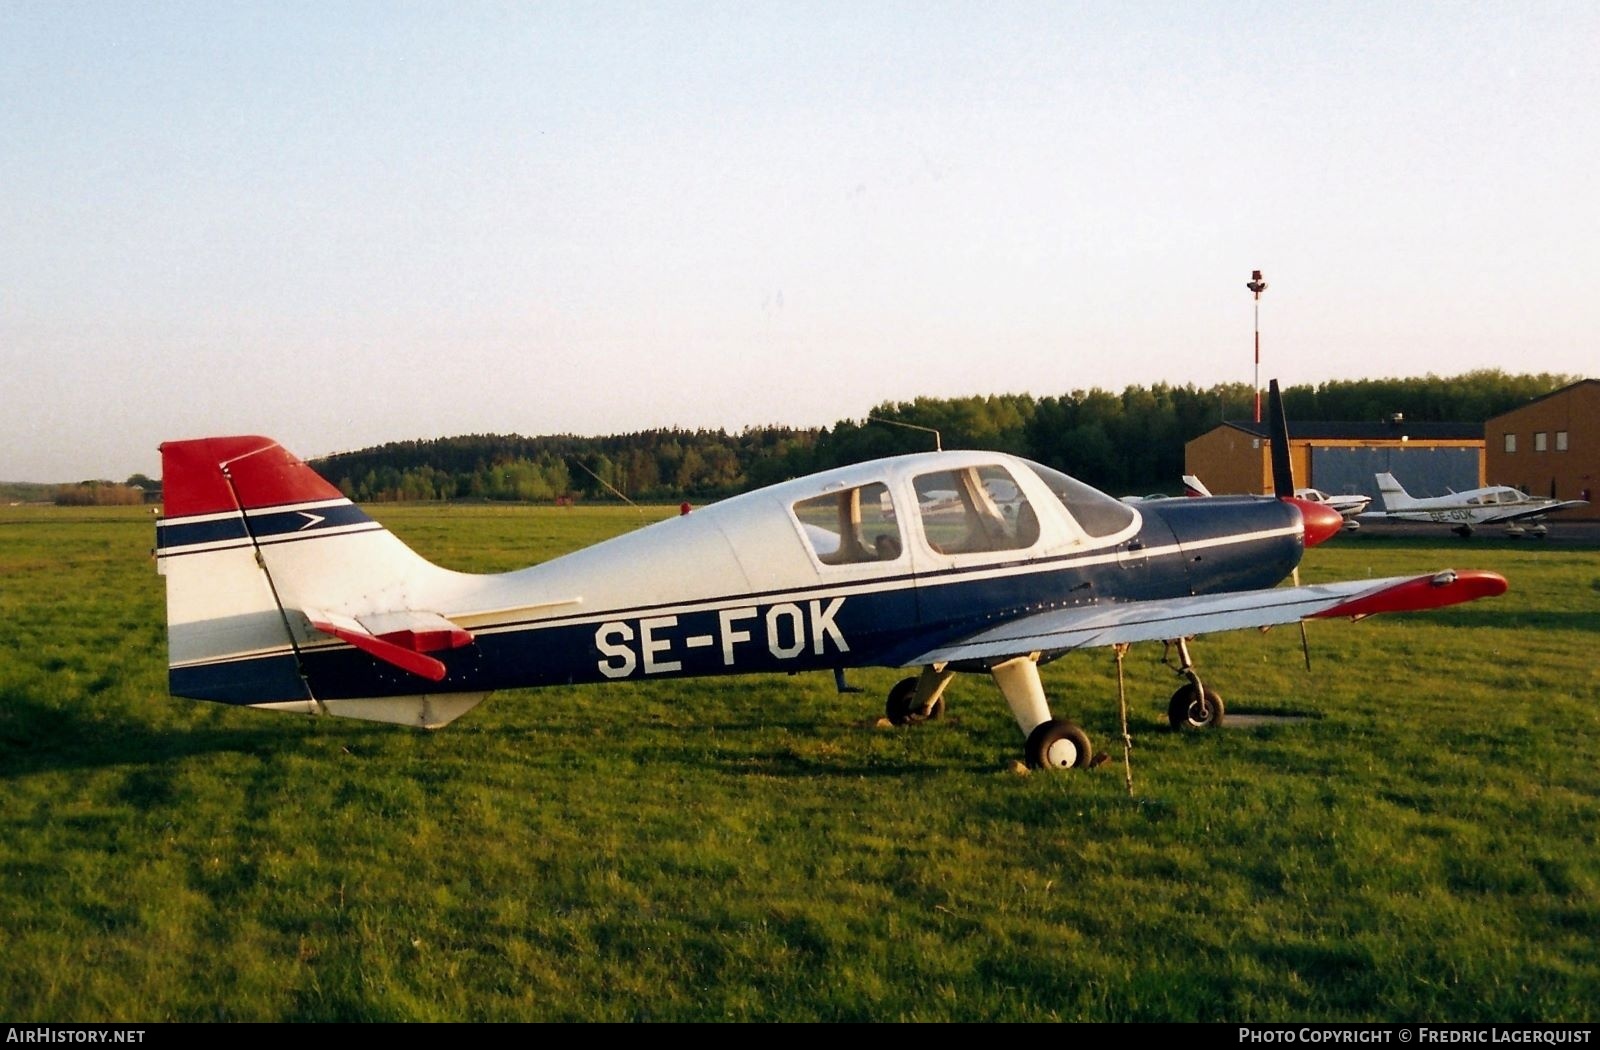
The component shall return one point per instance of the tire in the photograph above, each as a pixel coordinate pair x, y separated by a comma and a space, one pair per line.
1058, 744
1186, 712
900, 708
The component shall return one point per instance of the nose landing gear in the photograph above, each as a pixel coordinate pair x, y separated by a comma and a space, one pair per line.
1193, 706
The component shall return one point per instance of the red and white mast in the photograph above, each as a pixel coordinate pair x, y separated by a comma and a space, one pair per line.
1257, 285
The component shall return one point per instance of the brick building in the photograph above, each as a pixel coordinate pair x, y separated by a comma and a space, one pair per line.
1550, 447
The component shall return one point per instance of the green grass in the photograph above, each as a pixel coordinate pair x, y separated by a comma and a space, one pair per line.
1423, 848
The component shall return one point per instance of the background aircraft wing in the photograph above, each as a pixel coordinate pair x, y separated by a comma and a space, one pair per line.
1061, 630
1515, 513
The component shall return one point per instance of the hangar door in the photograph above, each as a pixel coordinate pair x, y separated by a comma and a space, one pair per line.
1425, 471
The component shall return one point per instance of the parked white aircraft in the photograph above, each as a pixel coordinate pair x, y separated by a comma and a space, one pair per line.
1464, 511
1349, 507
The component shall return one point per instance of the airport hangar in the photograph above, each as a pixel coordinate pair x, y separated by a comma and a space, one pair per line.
1341, 458
1547, 447
1550, 447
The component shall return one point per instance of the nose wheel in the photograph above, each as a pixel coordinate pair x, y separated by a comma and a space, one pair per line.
1194, 707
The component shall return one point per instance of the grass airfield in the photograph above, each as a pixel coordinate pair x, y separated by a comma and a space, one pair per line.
1422, 846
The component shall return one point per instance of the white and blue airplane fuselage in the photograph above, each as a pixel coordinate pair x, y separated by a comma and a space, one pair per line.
283, 594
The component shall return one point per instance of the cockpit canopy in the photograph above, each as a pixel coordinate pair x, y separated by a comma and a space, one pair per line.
1492, 496
965, 508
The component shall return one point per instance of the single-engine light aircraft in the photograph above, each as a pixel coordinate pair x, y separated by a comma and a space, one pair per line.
1348, 506
1463, 511
282, 594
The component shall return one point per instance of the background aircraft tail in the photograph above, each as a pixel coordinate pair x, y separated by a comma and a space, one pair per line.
1393, 493
266, 561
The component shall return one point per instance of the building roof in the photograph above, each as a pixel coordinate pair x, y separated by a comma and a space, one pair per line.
1376, 431
1554, 393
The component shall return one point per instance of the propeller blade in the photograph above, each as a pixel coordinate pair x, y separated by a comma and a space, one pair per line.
1282, 468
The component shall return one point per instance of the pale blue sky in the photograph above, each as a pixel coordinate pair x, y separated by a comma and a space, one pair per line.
342, 224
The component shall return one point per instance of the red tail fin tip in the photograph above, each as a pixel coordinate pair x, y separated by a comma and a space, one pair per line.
217, 475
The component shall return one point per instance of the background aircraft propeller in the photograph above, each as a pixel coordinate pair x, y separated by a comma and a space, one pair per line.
1283, 484
1282, 467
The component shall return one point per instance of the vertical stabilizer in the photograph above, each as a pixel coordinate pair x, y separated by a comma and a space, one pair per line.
264, 560
1393, 494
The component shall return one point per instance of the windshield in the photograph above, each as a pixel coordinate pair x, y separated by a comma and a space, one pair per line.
1097, 513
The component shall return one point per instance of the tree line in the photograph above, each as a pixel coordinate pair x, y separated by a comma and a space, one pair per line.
1127, 442
99, 493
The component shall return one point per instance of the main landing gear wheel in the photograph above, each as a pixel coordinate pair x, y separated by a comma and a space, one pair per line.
1058, 744
901, 707
1190, 710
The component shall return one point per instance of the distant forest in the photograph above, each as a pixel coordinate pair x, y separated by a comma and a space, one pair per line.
101, 493
1127, 442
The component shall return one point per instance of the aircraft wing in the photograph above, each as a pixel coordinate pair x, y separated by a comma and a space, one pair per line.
1515, 513
1061, 630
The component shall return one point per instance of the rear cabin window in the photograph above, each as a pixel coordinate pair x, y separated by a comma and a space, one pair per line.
975, 509
851, 526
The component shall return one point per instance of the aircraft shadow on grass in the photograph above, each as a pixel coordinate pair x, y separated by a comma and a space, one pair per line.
36, 737
1520, 620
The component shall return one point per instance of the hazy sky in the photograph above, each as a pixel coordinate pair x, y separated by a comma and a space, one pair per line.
342, 224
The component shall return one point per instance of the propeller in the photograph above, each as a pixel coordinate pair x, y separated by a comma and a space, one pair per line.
1282, 465
1320, 521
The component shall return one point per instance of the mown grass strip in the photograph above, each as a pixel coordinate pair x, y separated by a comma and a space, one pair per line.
1422, 846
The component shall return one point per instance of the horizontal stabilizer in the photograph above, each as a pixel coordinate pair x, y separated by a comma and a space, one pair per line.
401, 638
422, 632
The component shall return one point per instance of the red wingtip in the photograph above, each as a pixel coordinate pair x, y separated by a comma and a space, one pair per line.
1321, 521
1450, 587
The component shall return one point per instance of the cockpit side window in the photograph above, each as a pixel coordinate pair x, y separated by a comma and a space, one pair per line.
1097, 514
851, 526
975, 509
